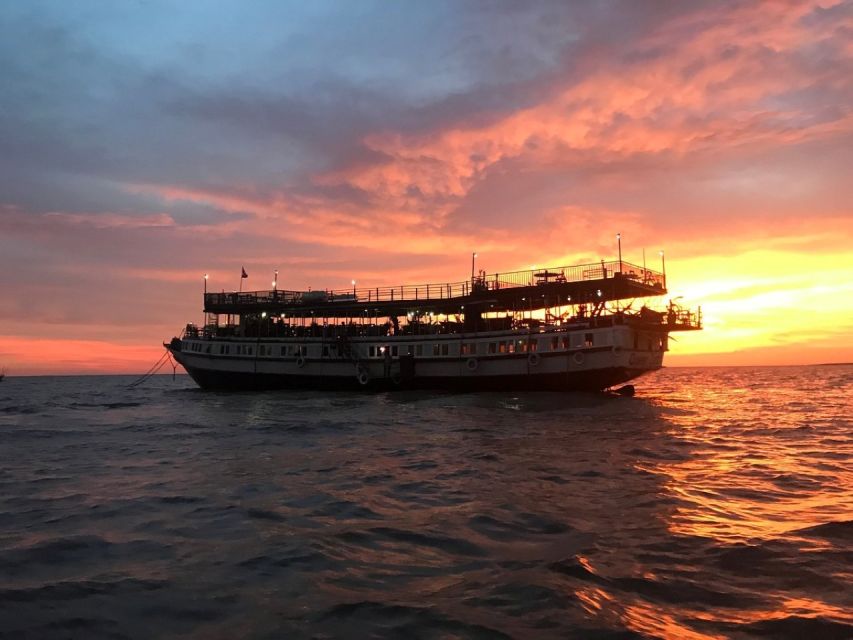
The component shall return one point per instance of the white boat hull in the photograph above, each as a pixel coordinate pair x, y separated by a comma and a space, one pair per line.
566, 358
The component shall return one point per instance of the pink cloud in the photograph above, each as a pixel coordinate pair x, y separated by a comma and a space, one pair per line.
113, 220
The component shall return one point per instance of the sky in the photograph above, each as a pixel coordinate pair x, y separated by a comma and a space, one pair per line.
144, 144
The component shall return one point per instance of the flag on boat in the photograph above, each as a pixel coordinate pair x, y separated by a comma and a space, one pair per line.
243, 273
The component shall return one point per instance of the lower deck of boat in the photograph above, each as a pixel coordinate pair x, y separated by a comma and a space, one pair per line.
563, 358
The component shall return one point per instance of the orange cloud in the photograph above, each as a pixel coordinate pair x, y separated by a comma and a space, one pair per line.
706, 94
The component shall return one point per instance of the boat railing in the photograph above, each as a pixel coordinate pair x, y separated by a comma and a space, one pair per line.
679, 318
440, 291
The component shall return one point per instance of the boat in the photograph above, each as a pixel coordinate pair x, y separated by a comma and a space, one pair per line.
556, 328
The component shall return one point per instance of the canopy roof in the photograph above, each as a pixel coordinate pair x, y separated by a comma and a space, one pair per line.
533, 289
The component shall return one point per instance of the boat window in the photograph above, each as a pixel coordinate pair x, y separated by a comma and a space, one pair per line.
510, 346
534, 345
502, 347
250, 350
372, 352
419, 350
325, 352
493, 347
555, 343
522, 346
284, 351
395, 350
566, 342
465, 349
436, 349
262, 350
588, 339
410, 349
445, 349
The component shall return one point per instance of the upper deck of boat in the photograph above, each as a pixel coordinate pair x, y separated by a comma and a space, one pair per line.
517, 290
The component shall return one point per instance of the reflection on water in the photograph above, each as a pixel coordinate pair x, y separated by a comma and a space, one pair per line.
717, 503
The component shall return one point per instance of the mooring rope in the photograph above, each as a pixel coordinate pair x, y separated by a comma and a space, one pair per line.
166, 357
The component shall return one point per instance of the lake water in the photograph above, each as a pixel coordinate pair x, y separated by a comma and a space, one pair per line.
716, 503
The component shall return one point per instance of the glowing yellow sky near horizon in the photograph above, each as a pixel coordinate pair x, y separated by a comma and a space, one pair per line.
798, 304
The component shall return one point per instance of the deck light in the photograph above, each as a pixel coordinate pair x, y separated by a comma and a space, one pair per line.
205, 284
353, 288
263, 314
473, 257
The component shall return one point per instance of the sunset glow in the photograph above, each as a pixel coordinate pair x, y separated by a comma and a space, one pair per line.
332, 143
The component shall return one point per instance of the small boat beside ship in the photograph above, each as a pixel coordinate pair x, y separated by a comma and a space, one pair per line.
559, 328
